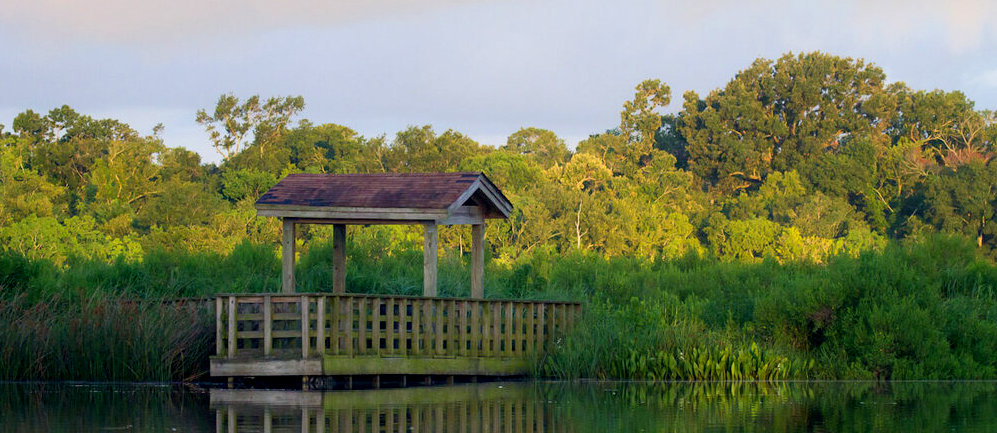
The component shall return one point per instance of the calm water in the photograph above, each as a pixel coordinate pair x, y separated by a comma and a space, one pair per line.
509, 407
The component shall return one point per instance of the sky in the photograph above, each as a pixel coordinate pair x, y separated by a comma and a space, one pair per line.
482, 67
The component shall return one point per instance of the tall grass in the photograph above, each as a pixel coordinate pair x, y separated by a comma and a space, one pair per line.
918, 310
103, 340
923, 310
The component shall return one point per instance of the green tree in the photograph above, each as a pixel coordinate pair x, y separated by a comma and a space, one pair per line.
962, 199
230, 125
776, 115
419, 149
545, 147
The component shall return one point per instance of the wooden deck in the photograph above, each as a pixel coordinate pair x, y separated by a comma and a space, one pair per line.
347, 334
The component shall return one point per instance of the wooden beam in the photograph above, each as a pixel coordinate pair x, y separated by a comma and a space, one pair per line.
429, 259
287, 254
478, 261
361, 222
344, 213
339, 258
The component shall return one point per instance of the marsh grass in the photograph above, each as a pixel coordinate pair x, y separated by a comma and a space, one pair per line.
104, 339
915, 310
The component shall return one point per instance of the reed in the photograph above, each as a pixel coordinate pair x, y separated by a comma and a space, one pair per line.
924, 309
104, 339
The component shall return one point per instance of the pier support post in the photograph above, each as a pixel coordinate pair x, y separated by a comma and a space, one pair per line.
477, 261
339, 258
429, 259
287, 256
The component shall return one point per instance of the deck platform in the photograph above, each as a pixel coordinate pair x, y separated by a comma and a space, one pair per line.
264, 335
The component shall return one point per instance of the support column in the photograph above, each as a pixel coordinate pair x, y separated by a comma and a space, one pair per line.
429, 259
339, 258
287, 257
477, 261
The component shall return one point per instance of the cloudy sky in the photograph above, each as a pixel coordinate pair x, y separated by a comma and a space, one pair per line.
482, 67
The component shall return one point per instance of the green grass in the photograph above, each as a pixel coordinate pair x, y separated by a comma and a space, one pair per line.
104, 339
918, 310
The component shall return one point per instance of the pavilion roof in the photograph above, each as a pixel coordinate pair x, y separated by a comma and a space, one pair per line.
447, 198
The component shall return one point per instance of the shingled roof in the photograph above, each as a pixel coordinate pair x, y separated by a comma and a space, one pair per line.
446, 198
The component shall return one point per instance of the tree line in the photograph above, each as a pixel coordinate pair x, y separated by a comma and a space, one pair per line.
800, 159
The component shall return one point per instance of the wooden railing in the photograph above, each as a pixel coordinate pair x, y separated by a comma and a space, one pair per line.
309, 325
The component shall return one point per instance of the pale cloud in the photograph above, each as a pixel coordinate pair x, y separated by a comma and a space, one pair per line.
986, 78
163, 21
962, 23
967, 23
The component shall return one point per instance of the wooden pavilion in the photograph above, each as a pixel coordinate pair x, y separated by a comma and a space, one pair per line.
339, 334
426, 199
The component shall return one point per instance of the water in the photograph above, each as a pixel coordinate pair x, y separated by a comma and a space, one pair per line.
509, 407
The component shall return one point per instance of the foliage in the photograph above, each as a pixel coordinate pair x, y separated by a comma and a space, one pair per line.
103, 339
745, 217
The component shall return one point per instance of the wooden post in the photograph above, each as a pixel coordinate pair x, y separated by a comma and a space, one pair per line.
429, 254
219, 347
320, 326
287, 253
232, 325
267, 326
339, 258
477, 261
304, 327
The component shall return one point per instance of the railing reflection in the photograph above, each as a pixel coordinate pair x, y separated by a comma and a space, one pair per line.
476, 408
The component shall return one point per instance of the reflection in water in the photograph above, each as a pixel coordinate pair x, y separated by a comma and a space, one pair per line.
510, 407
505, 407
59, 408
606, 407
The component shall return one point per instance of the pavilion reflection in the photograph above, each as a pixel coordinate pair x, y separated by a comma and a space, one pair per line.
473, 408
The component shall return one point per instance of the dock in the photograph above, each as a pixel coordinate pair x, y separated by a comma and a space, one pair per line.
344, 335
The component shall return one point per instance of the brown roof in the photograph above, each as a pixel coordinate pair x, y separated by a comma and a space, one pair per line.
430, 191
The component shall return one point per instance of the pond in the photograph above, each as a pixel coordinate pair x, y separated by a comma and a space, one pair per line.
509, 407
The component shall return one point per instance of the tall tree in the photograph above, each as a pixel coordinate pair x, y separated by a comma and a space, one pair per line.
230, 125
545, 147
776, 115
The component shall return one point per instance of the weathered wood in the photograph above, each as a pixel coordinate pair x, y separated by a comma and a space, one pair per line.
266, 367
351, 336
475, 328
429, 254
496, 329
464, 215
232, 325
509, 312
339, 258
438, 330
362, 319
320, 325
219, 329
531, 333
382, 215
427, 327
267, 326
376, 325
478, 261
304, 327
397, 326
389, 326
541, 327
287, 256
